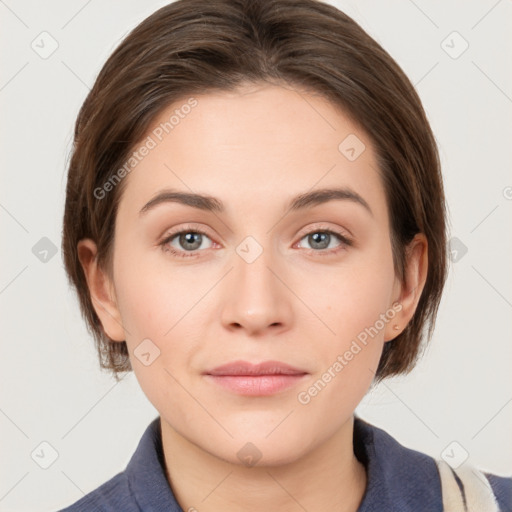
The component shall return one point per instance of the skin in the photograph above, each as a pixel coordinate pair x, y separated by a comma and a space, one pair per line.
255, 149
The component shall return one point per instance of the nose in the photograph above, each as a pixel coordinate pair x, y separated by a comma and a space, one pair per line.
257, 300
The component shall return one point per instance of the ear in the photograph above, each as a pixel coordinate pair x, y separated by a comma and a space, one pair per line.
101, 290
407, 293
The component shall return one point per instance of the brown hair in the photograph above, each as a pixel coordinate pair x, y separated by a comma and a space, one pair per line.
198, 46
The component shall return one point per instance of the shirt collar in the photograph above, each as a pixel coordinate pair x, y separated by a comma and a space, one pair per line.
146, 473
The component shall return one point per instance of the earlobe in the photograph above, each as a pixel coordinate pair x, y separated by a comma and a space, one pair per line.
409, 291
101, 291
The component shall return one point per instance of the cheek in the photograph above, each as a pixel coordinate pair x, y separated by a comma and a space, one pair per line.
153, 297
168, 307
157, 311
350, 299
347, 360
354, 304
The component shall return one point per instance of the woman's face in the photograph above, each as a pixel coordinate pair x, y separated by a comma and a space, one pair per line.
274, 275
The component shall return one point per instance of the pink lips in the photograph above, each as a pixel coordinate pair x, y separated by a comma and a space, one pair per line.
261, 379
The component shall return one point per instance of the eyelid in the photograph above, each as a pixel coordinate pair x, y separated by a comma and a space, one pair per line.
322, 226
187, 227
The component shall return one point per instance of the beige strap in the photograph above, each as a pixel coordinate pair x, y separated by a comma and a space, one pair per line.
477, 490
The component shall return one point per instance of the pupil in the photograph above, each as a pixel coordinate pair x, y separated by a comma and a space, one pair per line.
191, 238
320, 240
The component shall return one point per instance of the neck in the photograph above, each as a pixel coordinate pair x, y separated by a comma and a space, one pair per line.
329, 477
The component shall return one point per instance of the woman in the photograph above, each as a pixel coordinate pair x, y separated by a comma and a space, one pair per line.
255, 225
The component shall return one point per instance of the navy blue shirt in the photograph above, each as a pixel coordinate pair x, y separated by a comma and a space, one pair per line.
398, 479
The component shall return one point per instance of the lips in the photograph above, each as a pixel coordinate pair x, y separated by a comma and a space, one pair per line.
237, 368
262, 379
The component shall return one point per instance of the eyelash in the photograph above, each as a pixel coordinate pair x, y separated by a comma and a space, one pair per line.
345, 241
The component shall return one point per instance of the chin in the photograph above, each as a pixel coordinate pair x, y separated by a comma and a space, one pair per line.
256, 447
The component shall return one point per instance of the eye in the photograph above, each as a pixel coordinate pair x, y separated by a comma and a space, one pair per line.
186, 241
326, 241
189, 242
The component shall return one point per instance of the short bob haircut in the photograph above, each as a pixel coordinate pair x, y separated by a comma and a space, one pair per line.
201, 46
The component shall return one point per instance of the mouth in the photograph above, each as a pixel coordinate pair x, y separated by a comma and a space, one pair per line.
263, 379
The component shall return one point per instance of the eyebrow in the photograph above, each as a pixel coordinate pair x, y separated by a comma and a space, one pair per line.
212, 204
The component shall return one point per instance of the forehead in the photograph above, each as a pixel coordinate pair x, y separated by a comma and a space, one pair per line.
252, 146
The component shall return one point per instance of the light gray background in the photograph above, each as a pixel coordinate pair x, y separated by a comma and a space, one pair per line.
51, 387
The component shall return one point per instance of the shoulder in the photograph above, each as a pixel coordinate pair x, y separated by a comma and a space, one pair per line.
113, 495
408, 479
142, 485
130, 490
502, 488
399, 479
